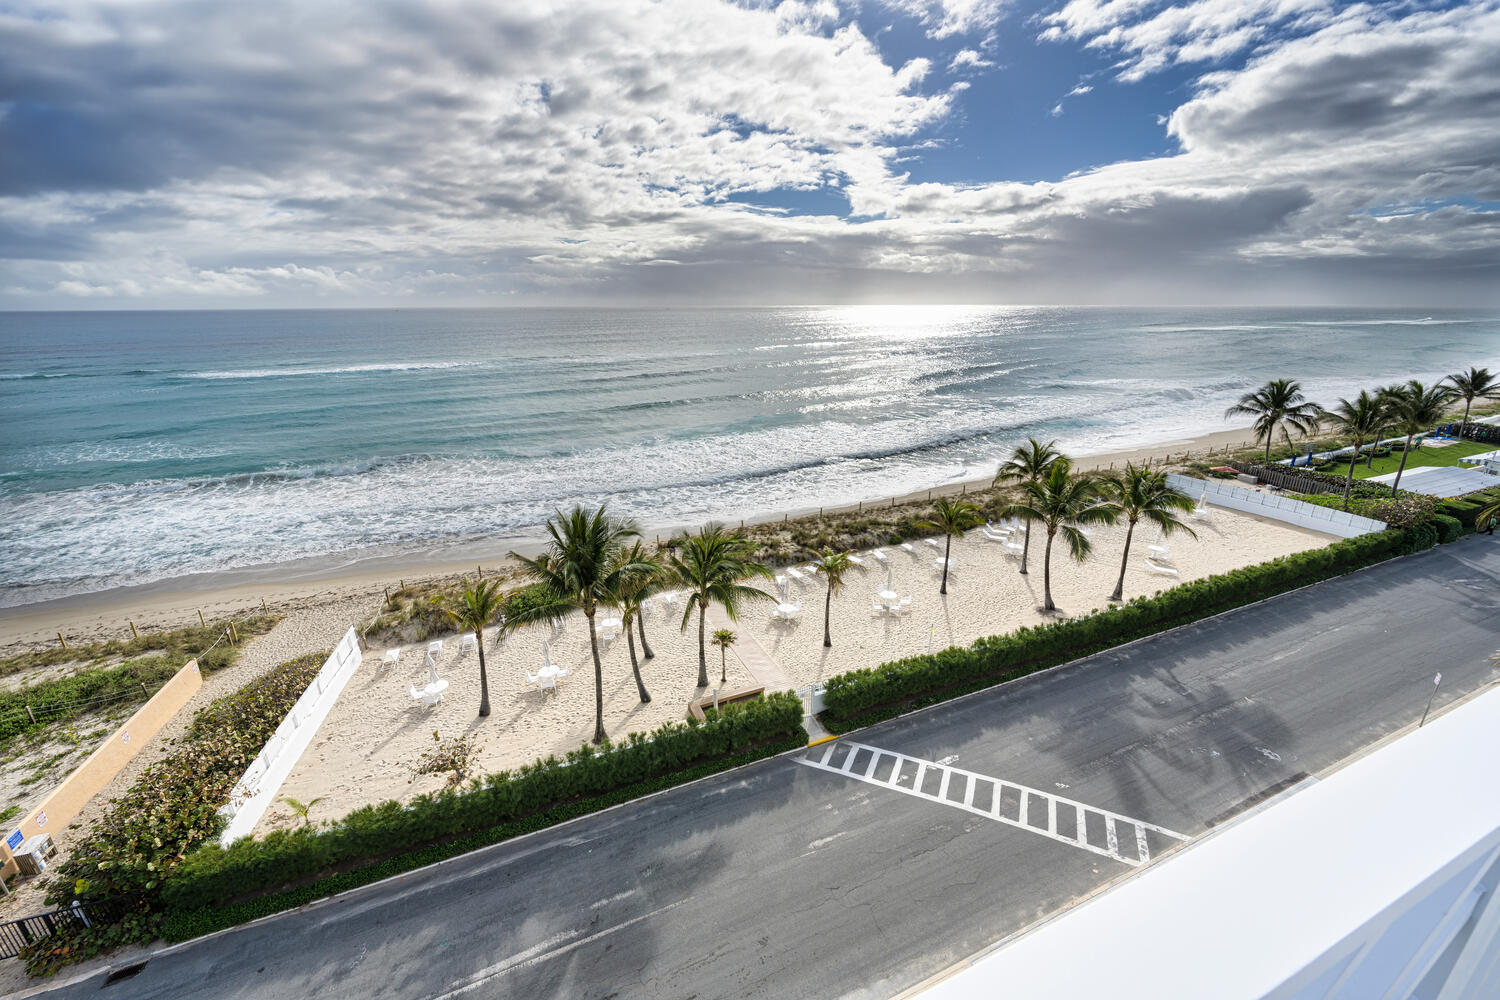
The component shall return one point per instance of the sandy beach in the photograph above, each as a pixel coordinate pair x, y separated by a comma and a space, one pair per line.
173, 603
365, 750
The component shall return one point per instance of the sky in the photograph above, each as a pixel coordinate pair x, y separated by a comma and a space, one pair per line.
173, 154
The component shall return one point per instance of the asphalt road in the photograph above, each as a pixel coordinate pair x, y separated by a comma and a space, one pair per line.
781, 880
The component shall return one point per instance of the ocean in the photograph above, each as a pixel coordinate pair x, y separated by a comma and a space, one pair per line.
143, 446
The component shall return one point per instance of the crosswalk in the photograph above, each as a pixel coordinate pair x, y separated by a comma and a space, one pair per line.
1099, 831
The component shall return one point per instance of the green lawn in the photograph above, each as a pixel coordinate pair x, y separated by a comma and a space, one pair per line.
1420, 456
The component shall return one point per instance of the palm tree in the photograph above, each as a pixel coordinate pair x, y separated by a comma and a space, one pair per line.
711, 564
1142, 492
630, 596
1277, 403
1028, 464
833, 565
1360, 419
1062, 502
951, 517
1476, 383
1386, 394
302, 808
723, 638
582, 569
1417, 408
473, 609
1486, 515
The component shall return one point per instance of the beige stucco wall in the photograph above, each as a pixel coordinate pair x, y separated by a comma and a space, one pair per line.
68, 799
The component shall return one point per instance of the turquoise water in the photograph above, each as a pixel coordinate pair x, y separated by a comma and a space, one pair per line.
139, 446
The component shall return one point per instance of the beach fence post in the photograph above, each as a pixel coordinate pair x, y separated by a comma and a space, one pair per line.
387, 595
30, 716
200, 618
144, 691
263, 609
62, 640
133, 632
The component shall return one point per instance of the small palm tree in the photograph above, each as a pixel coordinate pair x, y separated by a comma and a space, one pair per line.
1360, 419
582, 570
710, 564
630, 595
951, 517
1028, 464
1486, 515
1386, 395
833, 566
301, 808
1142, 492
1062, 502
473, 609
1278, 403
723, 638
1476, 383
1417, 408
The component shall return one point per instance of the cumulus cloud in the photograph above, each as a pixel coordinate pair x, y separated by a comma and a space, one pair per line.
947, 18
188, 153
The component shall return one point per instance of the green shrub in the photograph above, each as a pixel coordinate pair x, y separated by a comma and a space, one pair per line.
1466, 509
215, 876
860, 697
1450, 529
1403, 511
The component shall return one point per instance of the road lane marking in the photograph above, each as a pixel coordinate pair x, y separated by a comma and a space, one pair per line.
548, 949
1116, 847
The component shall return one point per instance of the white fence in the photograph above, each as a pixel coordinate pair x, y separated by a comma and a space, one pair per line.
1304, 515
255, 792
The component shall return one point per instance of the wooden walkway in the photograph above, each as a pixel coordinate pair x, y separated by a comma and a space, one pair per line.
752, 655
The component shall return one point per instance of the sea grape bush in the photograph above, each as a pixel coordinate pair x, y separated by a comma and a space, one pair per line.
215, 876
859, 697
1403, 511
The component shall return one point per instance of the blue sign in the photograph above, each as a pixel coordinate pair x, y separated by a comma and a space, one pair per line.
14, 840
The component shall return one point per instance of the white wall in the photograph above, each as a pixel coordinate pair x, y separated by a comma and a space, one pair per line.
1304, 515
255, 792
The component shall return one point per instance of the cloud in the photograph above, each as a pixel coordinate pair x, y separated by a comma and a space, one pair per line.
947, 18
186, 153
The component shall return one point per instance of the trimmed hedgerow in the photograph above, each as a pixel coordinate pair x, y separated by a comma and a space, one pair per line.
1450, 529
181, 925
215, 876
861, 697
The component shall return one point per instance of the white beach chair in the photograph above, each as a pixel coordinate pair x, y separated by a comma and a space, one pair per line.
434, 647
905, 604
390, 659
856, 560
995, 534
933, 542
878, 606
542, 683
1156, 567
909, 547
1013, 549
1161, 553
430, 695
880, 555
795, 574
467, 644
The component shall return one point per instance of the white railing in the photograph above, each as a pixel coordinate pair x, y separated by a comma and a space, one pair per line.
255, 792
1304, 515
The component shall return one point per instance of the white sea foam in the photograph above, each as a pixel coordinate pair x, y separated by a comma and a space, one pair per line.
399, 366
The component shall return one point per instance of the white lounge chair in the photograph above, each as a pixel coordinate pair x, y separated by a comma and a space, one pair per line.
933, 542
1162, 553
1013, 548
909, 547
795, 574
390, 659
880, 555
430, 695
995, 535
856, 560
1156, 567
434, 647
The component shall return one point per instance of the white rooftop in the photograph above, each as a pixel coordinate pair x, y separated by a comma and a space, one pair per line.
1276, 903
1440, 481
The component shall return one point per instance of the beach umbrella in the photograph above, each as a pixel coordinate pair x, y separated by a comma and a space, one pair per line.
432, 677
888, 577
546, 654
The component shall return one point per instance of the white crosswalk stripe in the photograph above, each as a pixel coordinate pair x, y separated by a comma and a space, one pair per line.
842, 756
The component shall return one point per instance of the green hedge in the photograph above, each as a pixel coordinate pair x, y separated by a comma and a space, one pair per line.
1450, 529
1466, 509
215, 876
861, 697
182, 925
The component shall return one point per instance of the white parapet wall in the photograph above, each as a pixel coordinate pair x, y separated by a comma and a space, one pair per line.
1303, 515
254, 793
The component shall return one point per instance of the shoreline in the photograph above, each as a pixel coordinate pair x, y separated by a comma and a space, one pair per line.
313, 581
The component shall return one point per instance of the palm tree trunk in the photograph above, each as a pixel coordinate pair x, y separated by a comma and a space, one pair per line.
827, 614
635, 667
723, 664
1026, 546
484, 681
947, 548
599, 736
1402, 467
1119, 594
1465, 425
1047, 604
702, 644
1269, 432
1349, 479
640, 625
